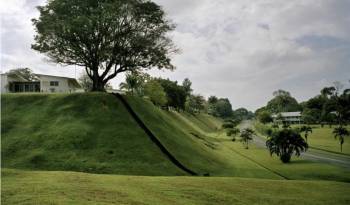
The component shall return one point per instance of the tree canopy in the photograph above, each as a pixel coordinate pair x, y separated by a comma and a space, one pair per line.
106, 37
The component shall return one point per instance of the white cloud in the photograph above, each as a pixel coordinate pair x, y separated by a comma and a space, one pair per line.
243, 50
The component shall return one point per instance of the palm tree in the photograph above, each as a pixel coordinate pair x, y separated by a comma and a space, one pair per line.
131, 83
306, 130
285, 142
246, 136
340, 132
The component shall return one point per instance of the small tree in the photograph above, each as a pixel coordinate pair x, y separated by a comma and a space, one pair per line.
246, 136
155, 91
232, 132
285, 142
340, 133
306, 130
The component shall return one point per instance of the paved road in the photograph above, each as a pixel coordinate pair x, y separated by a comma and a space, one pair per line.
311, 154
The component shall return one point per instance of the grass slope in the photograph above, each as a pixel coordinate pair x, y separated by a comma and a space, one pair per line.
77, 132
195, 147
39, 187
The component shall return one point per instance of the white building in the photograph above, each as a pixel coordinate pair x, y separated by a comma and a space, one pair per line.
41, 83
288, 117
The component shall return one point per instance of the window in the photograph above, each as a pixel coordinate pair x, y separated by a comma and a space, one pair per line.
53, 83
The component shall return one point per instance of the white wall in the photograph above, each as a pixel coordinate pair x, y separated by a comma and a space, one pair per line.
63, 86
4, 87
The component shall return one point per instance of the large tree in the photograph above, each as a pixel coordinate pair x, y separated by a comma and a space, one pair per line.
106, 37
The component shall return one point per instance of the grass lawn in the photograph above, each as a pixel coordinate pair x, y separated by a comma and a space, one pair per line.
42, 187
297, 169
320, 138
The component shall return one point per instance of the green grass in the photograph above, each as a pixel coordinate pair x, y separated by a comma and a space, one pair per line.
320, 138
194, 147
298, 168
77, 132
42, 187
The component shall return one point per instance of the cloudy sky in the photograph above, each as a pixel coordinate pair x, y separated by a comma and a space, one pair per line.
242, 50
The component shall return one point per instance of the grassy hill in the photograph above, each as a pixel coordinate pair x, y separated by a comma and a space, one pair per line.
193, 140
42, 187
95, 133
77, 132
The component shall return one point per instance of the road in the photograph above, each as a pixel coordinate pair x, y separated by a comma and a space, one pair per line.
311, 154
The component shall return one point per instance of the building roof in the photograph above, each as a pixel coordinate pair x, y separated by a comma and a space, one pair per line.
288, 114
73, 81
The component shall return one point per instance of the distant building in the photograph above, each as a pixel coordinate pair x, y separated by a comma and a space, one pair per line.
42, 83
288, 117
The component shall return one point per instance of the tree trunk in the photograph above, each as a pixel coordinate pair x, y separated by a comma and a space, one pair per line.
97, 82
341, 147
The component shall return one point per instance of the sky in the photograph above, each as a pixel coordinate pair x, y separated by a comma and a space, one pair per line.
236, 49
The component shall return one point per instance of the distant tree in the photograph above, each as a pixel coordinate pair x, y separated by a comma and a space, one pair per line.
285, 142
264, 117
194, 103
176, 95
281, 93
306, 130
243, 114
24, 73
155, 91
328, 91
311, 116
246, 136
341, 133
283, 102
186, 84
213, 100
106, 37
223, 108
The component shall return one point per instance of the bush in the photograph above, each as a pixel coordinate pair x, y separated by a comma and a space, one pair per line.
227, 125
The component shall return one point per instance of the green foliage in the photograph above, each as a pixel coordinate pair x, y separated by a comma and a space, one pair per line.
246, 136
195, 104
220, 107
227, 125
135, 82
176, 94
264, 117
243, 114
186, 84
284, 143
283, 102
311, 116
25, 74
232, 131
306, 130
155, 91
106, 37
